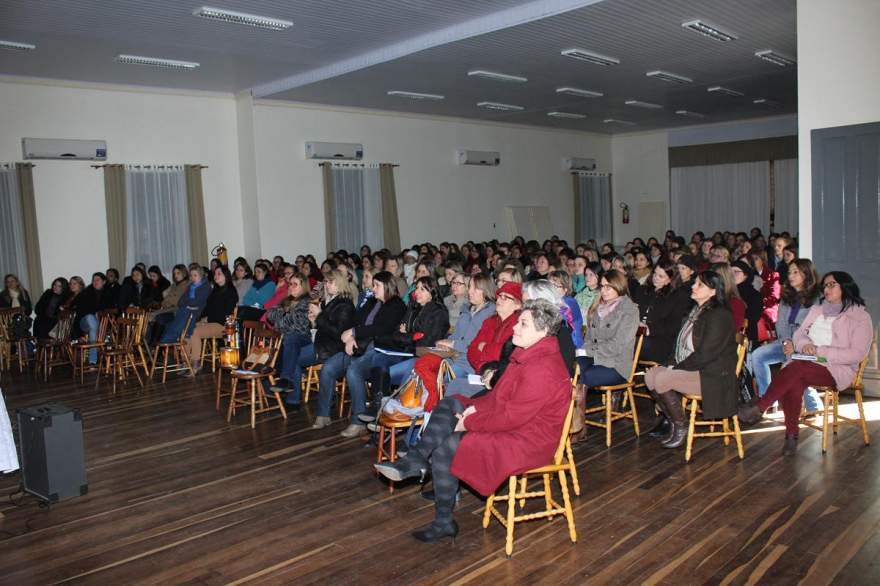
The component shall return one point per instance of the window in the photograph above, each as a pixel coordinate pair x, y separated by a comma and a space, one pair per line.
157, 217
593, 213
13, 255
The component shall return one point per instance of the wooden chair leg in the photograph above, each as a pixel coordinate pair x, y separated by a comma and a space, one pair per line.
571, 468
835, 398
827, 398
548, 501
738, 436
219, 383
566, 502
511, 512
633, 411
862, 422
253, 386
134, 368
726, 429
232, 392
607, 419
165, 364
487, 512
691, 428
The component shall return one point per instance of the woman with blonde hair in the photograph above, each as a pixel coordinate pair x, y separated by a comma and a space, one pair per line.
290, 318
731, 293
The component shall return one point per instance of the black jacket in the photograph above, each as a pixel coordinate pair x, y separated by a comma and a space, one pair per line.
387, 320
714, 356
335, 317
663, 315
91, 301
221, 303
129, 295
754, 306
47, 310
430, 320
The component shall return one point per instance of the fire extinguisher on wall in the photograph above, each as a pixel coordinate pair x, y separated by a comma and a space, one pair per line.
625, 209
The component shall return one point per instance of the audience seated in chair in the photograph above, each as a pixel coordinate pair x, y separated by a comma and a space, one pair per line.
290, 318
86, 305
161, 317
220, 304
190, 305
49, 306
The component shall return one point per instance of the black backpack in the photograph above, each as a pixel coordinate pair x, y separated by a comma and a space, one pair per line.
20, 327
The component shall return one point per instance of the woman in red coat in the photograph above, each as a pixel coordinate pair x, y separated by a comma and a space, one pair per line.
509, 430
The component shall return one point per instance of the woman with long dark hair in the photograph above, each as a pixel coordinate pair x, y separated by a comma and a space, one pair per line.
826, 350
704, 361
47, 308
221, 304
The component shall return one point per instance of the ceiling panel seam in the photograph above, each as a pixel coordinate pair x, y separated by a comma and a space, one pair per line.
525, 13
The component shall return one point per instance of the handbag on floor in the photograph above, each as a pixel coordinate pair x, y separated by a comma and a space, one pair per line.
746, 386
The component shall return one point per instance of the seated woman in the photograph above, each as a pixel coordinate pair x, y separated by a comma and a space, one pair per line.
221, 304
561, 280
113, 287
366, 290
484, 440
424, 269
540, 267
663, 304
380, 316
242, 279
457, 301
590, 292
136, 291
612, 323
163, 316
485, 349
704, 363
742, 276
771, 292
731, 294
158, 284
800, 294
838, 331
14, 295
87, 305
393, 266
481, 305
191, 304
290, 318
48, 307
252, 306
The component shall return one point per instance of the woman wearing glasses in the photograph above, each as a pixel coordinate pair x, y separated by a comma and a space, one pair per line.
457, 300
834, 338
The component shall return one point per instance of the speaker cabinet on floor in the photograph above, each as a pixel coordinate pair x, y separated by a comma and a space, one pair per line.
52, 455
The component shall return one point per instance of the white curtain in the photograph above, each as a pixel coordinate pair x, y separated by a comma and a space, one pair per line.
720, 197
357, 199
785, 174
157, 220
596, 219
13, 254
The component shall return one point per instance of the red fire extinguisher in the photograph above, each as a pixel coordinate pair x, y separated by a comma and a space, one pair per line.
625, 209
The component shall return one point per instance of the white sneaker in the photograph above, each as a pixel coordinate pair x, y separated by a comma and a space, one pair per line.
321, 422
353, 430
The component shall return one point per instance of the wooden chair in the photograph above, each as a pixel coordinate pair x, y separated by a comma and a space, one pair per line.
692, 402
54, 352
213, 344
551, 508
256, 396
628, 406
311, 382
7, 343
140, 341
178, 347
248, 327
830, 398
119, 357
81, 349
390, 426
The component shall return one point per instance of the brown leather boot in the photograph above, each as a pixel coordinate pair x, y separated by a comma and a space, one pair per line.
578, 428
661, 427
671, 402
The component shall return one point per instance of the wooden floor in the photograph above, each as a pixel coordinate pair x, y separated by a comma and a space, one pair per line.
177, 495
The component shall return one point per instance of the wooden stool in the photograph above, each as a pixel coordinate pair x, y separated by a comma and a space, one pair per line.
551, 507
181, 358
209, 346
692, 402
628, 406
831, 398
248, 327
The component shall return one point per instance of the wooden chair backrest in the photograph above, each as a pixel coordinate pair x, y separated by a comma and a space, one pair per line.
445, 370
742, 348
65, 325
577, 375
140, 315
248, 327
105, 316
566, 428
640, 339
6, 315
271, 341
185, 330
125, 333
860, 371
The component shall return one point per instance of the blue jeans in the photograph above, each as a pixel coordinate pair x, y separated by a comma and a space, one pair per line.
762, 358
356, 370
333, 369
175, 328
307, 357
89, 325
594, 375
291, 348
398, 367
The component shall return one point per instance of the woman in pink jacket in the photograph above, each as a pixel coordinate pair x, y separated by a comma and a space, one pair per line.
838, 333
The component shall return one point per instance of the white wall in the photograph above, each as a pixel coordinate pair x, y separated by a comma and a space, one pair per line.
838, 80
437, 199
640, 173
139, 127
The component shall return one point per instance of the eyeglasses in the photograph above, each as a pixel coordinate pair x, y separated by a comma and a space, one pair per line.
462, 283
606, 286
557, 285
829, 284
507, 297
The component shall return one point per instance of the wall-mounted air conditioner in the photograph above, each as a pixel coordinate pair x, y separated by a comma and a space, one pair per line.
484, 158
578, 164
59, 148
335, 150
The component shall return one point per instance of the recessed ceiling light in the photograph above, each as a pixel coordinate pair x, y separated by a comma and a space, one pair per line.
156, 62
764, 102
494, 76
15, 46
690, 114
670, 77
775, 58
589, 57
571, 115
498, 106
415, 95
275, 24
641, 104
720, 89
573, 91
709, 30
616, 121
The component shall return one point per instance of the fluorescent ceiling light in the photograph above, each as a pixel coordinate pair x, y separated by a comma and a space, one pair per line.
156, 62
616, 121
494, 76
15, 46
641, 104
775, 58
670, 77
573, 91
594, 58
720, 89
571, 115
275, 24
764, 102
709, 30
498, 106
415, 95
690, 114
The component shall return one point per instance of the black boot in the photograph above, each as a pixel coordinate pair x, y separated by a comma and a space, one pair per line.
661, 427
381, 387
443, 525
749, 414
672, 406
410, 466
789, 448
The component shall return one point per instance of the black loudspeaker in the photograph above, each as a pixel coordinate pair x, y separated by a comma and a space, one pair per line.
52, 455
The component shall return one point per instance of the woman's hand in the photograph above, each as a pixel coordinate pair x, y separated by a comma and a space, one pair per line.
809, 349
445, 344
348, 335
480, 346
487, 378
350, 347
402, 328
459, 426
787, 348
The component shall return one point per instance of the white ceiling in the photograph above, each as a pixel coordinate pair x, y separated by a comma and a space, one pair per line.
351, 53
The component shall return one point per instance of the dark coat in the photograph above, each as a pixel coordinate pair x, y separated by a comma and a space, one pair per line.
130, 296
714, 356
24, 299
517, 426
387, 320
335, 317
47, 310
221, 303
430, 320
754, 306
663, 315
